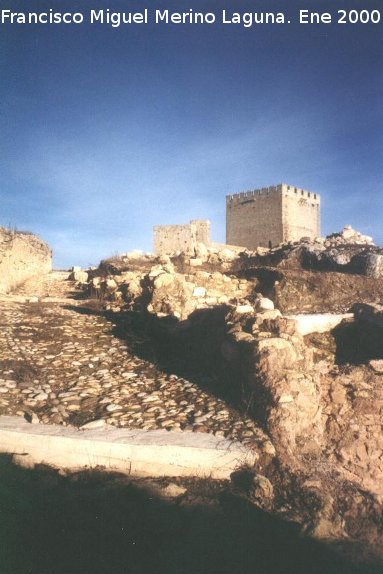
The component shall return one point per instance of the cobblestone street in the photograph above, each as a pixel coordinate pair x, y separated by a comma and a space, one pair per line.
60, 364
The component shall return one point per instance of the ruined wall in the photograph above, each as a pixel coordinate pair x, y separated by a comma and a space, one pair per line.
22, 255
172, 238
254, 218
202, 230
272, 215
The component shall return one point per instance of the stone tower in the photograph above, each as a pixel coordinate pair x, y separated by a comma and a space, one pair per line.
185, 237
272, 215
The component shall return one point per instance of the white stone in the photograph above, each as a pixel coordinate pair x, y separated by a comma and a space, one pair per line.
41, 397
348, 232
195, 262
80, 276
199, 292
201, 251
286, 399
111, 284
227, 255
155, 271
163, 280
377, 365
265, 304
136, 452
112, 407
129, 375
241, 309
135, 254
318, 323
172, 490
96, 424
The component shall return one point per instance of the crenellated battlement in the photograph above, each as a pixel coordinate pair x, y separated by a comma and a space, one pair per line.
244, 196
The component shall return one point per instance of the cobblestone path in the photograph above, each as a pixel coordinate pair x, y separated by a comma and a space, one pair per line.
60, 365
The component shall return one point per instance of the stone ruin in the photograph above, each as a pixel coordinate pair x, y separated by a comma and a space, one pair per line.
183, 238
22, 255
297, 343
259, 218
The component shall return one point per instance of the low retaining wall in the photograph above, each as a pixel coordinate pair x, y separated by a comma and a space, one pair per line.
136, 452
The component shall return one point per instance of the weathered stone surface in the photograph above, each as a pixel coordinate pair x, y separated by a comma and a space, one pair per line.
241, 309
266, 217
264, 304
377, 366
187, 237
166, 292
346, 252
374, 265
22, 255
80, 276
318, 323
140, 453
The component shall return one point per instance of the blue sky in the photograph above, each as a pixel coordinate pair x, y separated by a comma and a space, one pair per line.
105, 132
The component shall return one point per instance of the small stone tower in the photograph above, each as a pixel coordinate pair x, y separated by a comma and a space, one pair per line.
272, 215
185, 237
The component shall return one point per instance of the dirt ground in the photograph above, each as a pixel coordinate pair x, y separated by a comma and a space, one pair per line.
93, 523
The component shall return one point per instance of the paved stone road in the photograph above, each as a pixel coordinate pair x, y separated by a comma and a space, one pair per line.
60, 365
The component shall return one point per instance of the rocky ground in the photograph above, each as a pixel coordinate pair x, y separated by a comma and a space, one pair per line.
205, 342
318, 398
63, 362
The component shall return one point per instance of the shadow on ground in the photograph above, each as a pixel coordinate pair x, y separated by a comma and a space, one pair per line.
93, 523
193, 352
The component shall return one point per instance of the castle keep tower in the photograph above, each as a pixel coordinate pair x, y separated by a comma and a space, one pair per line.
271, 215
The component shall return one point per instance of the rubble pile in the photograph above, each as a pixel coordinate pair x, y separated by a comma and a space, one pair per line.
166, 292
308, 405
348, 236
324, 420
306, 277
318, 397
346, 252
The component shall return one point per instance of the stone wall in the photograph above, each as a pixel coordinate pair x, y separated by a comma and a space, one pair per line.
269, 216
254, 218
22, 255
300, 213
172, 238
202, 230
